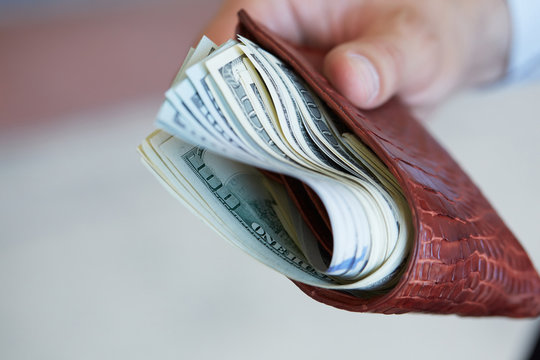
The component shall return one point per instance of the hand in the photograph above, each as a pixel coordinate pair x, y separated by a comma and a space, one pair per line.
421, 50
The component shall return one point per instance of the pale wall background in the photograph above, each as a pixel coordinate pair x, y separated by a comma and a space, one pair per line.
97, 261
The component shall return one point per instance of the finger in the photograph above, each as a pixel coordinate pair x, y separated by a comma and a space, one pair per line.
276, 15
400, 57
319, 25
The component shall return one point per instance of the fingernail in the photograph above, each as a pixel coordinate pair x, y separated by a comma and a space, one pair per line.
367, 77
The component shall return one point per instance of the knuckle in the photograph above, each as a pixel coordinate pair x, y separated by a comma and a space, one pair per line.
407, 20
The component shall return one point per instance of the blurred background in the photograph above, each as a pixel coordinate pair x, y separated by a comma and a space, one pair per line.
97, 261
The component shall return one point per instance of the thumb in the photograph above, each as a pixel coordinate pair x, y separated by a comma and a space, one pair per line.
371, 69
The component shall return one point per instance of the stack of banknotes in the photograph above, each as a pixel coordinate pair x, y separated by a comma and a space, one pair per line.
235, 113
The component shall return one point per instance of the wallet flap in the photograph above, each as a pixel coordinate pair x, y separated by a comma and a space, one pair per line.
464, 259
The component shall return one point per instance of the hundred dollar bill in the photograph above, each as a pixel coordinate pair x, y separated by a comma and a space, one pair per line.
235, 194
238, 109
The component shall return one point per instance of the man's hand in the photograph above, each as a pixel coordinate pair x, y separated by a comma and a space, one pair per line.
421, 50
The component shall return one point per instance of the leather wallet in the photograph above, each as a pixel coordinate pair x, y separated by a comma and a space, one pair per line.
464, 259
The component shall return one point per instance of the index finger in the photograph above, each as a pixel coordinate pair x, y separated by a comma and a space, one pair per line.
318, 24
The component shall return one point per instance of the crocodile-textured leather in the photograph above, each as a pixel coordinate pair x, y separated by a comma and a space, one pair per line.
464, 259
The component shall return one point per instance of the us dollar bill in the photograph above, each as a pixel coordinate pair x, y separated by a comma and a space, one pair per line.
235, 109
236, 194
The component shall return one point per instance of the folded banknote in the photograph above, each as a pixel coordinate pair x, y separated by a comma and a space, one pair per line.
234, 109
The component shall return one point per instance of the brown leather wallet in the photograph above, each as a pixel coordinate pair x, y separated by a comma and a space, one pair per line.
464, 259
